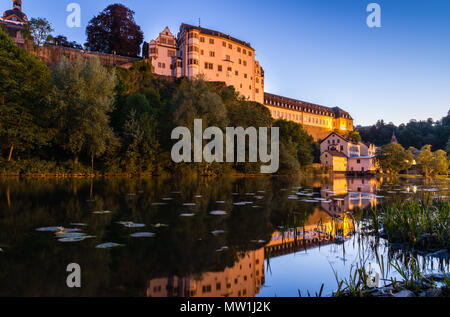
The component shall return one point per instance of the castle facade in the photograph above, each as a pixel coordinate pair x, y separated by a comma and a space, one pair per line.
220, 57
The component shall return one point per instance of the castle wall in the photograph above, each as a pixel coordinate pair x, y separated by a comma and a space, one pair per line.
52, 54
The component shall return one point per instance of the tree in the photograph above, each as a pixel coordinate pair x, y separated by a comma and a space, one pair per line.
83, 97
114, 30
394, 158
425, 160
439, 163
140, 143
296, 146
61, 40
38, 30
24, 86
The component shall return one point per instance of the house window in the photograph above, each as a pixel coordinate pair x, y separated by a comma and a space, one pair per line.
219, 68
227, 58
229, 69
240, 61
230, 46
211, 66
224, 44
211, 41
244, 51
245, 75
212, 54
245, 63
202, 40
249, 53
206, 65
236, 73
358, 161
239, 49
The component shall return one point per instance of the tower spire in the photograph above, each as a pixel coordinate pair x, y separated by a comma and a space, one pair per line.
17, 4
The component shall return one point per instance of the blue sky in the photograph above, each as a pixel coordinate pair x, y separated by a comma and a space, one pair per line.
319, 51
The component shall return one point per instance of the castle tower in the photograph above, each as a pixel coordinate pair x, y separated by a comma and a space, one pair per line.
17, 4
13, 21
394, 138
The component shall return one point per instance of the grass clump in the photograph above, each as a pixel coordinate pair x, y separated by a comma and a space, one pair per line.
422, 224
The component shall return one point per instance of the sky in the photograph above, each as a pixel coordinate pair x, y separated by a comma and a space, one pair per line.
320, 51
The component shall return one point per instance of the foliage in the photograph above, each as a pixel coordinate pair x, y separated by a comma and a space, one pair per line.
297, 146
415, 133
62, 40
393, 158
83, 96
25, 82
420, 223
114, 30
432, 164
38, 30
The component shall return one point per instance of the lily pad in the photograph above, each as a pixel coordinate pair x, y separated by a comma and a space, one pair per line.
160, 225
218, 213
102, 212
130, 224
50, 229
109, 245
143, 235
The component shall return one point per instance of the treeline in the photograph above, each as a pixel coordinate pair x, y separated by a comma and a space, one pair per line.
394, 158
413, 134
80, 117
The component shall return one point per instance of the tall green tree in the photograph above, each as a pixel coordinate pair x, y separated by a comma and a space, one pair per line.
38, 30
140, 143
83, 97
25, 82
297, 147
393, 158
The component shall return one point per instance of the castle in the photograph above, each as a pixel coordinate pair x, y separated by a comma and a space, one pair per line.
197, 51
220, 57
14, 21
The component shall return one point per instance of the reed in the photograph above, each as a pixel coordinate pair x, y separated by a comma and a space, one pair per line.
422, 223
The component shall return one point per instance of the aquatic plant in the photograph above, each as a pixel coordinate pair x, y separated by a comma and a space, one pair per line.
421, 223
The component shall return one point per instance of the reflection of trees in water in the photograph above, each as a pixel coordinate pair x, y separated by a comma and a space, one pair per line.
35, 261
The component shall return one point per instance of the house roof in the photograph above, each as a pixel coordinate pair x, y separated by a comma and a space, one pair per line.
342, 137
14, 12
187, 27
299, 105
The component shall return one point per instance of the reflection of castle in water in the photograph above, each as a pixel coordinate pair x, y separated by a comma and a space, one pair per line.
246, 277
349, 194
